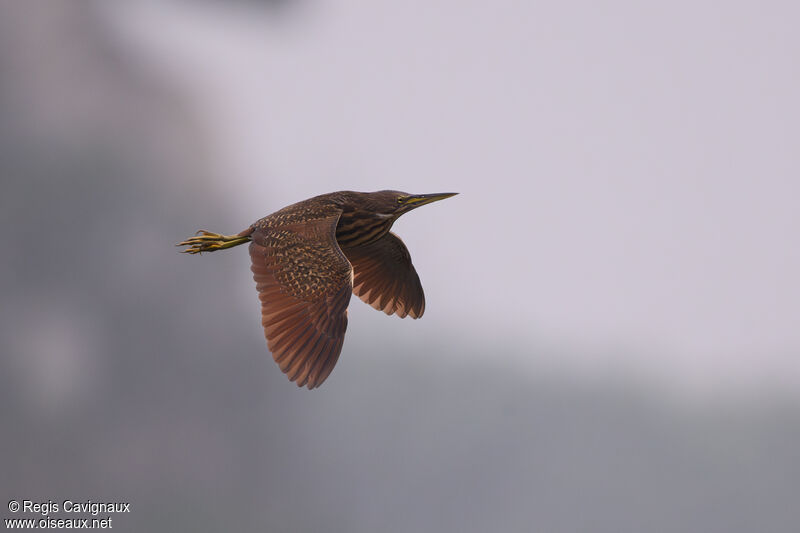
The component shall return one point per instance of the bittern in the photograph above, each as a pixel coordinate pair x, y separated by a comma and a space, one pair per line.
309, 257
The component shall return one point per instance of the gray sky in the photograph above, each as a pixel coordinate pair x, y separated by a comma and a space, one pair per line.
629, 172
130, 372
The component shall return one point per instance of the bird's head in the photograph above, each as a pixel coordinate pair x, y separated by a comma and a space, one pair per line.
395, 203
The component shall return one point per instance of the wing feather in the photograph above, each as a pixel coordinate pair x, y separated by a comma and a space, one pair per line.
304, 283
385, 278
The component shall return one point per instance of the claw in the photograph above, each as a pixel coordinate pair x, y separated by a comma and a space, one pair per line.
208, 241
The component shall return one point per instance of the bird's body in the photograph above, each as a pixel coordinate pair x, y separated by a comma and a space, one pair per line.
307, 259
359, 222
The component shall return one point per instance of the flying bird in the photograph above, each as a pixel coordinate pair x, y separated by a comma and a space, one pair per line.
309, 257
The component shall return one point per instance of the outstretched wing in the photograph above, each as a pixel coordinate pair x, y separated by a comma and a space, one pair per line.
304, 282
384, 277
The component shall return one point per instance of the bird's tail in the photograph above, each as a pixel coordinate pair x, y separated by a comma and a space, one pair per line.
206, 241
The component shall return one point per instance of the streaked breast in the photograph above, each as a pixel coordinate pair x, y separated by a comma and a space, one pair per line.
356, 228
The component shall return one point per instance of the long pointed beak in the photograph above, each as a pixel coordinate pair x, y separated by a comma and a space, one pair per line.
417, 200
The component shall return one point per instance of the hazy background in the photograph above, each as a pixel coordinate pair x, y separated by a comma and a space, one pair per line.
611, 339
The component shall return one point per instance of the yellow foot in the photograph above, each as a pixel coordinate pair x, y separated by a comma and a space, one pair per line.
206, 241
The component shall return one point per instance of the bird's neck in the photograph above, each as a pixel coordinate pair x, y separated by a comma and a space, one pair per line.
358, 227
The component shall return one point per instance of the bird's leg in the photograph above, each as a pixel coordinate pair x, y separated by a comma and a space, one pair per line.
206, 241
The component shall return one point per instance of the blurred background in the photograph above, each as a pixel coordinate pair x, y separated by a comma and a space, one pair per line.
611, 340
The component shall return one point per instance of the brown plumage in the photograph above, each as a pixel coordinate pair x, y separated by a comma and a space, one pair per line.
309, 257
